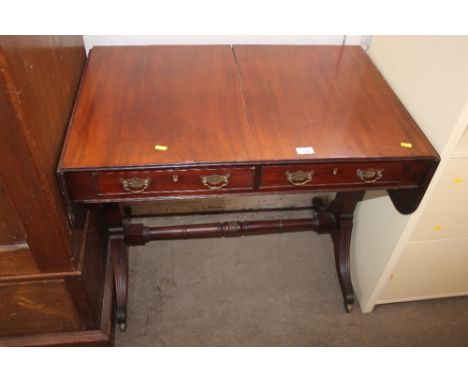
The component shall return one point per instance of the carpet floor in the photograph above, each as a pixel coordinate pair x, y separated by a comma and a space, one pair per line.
270, 290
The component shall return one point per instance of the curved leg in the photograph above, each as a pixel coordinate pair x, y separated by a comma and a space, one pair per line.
341, 242
118, 251
343, 207
343, 210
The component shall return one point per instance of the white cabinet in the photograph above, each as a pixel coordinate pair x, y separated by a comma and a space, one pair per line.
429, 269
446, 215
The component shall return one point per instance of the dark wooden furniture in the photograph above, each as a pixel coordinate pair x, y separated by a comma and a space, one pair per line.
168, 122
52, 277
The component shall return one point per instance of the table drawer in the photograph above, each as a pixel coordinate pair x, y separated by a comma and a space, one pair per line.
160, 181
312, 175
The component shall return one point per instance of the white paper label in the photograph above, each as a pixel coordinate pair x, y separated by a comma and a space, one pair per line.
304, 150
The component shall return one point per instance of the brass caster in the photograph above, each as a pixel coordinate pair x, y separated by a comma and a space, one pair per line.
349, 308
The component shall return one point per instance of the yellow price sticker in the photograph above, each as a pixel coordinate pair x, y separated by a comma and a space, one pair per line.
406, 145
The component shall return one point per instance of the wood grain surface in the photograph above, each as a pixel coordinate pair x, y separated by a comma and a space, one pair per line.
133, 98
241, 104
39, 77
37, 307
11, 229
330, 98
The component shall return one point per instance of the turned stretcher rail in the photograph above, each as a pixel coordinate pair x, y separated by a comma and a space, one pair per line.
139, 234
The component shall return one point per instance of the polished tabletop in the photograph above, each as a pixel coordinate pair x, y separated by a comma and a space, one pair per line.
184, 105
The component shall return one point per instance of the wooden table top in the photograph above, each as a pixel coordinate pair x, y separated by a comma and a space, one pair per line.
234, 105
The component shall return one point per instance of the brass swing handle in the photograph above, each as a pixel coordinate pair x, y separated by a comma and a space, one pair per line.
215, 181
135, 185
299, 178
370, 175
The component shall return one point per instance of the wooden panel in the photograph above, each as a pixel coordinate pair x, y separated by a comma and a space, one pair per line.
429, 269
11, 229
85, 286
103, 335
335, 174
38, 81
133, 98
330, 98
446, 216
43, 68
87, 289
36, 307
17, 261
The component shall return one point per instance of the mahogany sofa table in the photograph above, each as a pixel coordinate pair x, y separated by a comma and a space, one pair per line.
171, 122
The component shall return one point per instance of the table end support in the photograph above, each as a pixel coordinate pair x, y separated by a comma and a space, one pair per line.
119, 255
342, 207
118, 252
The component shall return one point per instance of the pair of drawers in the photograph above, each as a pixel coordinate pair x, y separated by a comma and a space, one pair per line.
147, 183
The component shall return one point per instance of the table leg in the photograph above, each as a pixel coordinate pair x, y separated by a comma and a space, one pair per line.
118, 251
343, 208
119, 254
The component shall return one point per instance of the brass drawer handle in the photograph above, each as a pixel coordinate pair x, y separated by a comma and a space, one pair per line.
215, 181
135, 185
299, 178
370, 175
